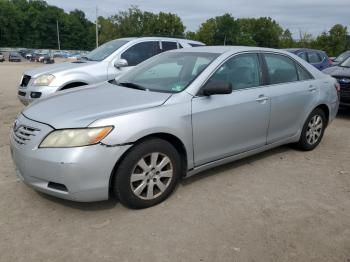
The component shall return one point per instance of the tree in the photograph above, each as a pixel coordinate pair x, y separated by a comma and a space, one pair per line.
286, 40
267, 32
337, 39
134, 22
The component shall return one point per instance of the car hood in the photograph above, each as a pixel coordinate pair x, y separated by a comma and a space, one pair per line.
82, 106
55, 68
337, 71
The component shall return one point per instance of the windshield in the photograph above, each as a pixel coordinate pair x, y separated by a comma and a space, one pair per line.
105, 50
342, 57
169, 72
346, 63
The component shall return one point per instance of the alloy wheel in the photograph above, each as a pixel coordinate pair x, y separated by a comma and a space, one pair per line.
151, 176
314, 129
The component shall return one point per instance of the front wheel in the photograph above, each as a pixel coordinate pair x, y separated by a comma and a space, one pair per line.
313, 130
148, 174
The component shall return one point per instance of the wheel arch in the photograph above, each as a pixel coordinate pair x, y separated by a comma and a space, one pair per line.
172, 139
72, 85
326, 111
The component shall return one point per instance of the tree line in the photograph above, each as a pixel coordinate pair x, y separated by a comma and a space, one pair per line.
33, 24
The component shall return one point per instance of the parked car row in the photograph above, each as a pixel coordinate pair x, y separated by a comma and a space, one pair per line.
160, 110
2, 57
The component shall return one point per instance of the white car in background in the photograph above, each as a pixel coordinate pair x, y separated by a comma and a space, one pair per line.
105, 63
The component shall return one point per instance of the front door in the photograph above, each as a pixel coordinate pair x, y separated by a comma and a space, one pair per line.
225, 125
135, 55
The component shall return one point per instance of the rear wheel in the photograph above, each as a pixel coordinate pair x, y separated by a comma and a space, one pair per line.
313, 130
148, 174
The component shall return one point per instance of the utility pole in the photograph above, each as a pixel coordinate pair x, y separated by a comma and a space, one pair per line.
96, 26
58, 36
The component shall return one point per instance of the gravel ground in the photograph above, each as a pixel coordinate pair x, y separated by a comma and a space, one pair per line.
281, 205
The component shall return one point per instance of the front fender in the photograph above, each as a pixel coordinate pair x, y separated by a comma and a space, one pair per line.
173, 119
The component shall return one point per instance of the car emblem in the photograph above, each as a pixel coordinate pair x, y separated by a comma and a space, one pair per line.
344, 80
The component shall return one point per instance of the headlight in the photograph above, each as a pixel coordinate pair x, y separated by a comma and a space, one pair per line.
75, 137
43, 80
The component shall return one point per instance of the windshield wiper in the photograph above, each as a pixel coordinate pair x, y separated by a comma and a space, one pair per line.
132, 85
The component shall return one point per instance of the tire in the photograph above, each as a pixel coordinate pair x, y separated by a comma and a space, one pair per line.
144, 191
313, 130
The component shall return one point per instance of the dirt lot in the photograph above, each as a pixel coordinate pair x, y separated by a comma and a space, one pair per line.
282, 205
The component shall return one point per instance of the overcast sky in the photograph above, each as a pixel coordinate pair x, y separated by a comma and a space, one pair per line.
311, 16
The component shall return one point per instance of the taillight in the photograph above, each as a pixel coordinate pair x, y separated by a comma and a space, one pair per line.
337, 87
330, 62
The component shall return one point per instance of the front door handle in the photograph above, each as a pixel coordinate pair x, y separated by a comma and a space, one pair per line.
262, 98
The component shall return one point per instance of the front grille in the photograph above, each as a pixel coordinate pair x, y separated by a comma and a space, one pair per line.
25, 80
23, 134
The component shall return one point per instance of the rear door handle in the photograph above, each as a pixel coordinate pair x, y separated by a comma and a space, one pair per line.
312, 88
262, 98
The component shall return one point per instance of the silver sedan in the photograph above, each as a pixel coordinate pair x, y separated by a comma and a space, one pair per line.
172, 116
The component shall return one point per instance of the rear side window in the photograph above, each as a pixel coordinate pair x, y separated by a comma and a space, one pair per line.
141, 52
194, 45
303, 74
166, 46
314, 57
303, 56
281, 69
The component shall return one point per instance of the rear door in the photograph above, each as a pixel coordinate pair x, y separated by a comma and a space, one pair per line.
168, 45
293, 92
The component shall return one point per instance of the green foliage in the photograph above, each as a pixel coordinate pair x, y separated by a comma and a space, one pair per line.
33, 24
334, 42
134, 22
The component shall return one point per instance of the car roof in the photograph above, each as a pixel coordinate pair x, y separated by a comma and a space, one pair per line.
225, 49
302, 49
159, 38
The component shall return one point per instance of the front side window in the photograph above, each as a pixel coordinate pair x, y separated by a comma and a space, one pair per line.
241, 71
166, 46
281, 69
169, 72
141, 52
314, 58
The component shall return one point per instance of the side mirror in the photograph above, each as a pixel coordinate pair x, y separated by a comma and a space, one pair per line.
120, 63
217, 88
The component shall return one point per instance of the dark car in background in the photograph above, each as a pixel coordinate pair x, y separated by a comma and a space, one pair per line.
34, 57
317, 58
341, 72
2, 57
341, 58
14, 57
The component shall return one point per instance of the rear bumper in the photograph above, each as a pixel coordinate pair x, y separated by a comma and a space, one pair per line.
84, 172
